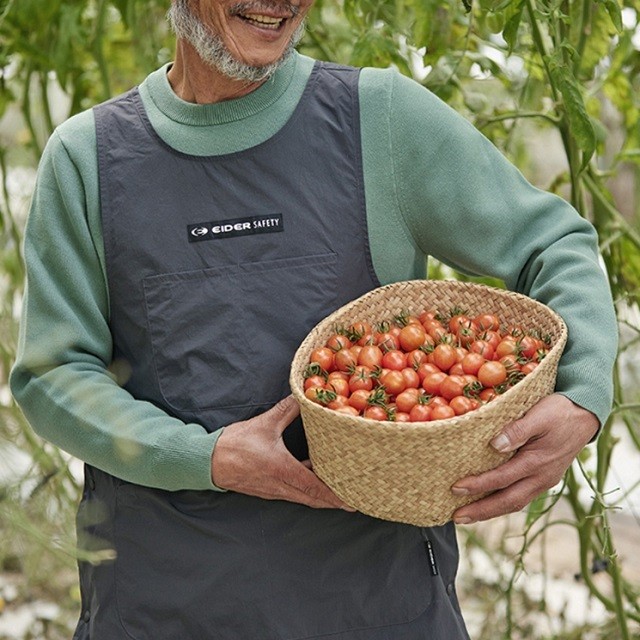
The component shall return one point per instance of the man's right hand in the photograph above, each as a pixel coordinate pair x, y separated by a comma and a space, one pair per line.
250, 457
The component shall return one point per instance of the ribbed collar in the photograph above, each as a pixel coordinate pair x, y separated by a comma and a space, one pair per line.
188, 113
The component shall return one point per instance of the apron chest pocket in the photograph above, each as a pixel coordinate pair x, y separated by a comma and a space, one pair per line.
224, 337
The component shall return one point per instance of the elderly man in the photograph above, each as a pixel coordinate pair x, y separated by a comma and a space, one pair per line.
183, 239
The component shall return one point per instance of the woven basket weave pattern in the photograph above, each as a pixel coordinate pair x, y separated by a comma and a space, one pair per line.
403, 471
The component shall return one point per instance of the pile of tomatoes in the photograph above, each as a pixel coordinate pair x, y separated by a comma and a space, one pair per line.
417, 368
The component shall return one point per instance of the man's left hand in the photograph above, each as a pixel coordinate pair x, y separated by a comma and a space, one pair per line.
546, 441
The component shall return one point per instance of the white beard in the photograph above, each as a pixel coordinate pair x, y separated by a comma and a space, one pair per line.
212, 50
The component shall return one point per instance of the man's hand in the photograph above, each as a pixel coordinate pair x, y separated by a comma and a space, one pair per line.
546, 440
250, 457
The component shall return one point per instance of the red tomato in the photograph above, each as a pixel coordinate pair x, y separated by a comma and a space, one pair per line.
374, 412
370, 356
444, 356
416, 357
461, 405
401, 416
359, 330
411, 377
434, 328
394, 359
528, 347
492, 373
483, 347
425, 369
340, 386
314, 381
324, 357
487, 322
361, 379
338, 341
393, 382
340, 401
452, 386
472, 362
431, 383
406, 400
345, 360
488, 394
314, 394
412, 336
507, 347
386, 341
442, 412
359, 399
528, 367
420, 413
456, 370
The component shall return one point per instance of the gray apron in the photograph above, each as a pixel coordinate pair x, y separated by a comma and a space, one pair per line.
217, 269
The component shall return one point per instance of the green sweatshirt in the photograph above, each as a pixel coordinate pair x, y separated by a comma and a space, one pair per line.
434, 186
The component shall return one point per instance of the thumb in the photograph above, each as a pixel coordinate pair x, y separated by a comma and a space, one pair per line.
283, 413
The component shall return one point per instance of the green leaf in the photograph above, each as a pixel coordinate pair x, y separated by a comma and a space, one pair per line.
614, 11
510, 32
580, 125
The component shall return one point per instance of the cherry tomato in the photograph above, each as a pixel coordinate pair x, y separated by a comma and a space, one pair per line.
492, 373
359, 399
324, 357
461, 405
374, 412
442, 412
314, 381
444, 356
528, 367
416, 357
528, 347
394, 359
386, 341
420, 413
345, 360
340, 386
507, 347
472, 362
487, 322
338, 341
393, 382
406, 400
431, 383
425, 369
452, 386
340, 401
361, 379
456, 370
370, 356
401, 416
411, 377
412, 337
483, 347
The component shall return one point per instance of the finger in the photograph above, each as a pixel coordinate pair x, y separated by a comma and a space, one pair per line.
510, 500
524, 464
515, 435
283, 413
298, 477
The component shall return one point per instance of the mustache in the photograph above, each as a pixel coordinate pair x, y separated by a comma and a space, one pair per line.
255, 7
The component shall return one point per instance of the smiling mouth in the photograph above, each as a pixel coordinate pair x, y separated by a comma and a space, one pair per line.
262, 21
265, 15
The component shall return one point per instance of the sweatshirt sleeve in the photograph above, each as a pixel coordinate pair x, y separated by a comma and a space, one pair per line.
61, 378
470, 208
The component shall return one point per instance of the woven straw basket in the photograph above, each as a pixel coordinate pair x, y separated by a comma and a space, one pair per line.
403, 471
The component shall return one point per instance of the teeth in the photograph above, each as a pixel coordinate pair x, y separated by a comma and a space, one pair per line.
267, 20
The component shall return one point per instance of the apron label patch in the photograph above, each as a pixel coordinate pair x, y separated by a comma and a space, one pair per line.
234, 227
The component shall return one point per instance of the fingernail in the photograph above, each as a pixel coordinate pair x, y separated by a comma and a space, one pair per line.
501, 443
463, 520
459, 491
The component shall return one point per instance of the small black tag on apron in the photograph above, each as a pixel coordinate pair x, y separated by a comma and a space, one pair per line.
250, 225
